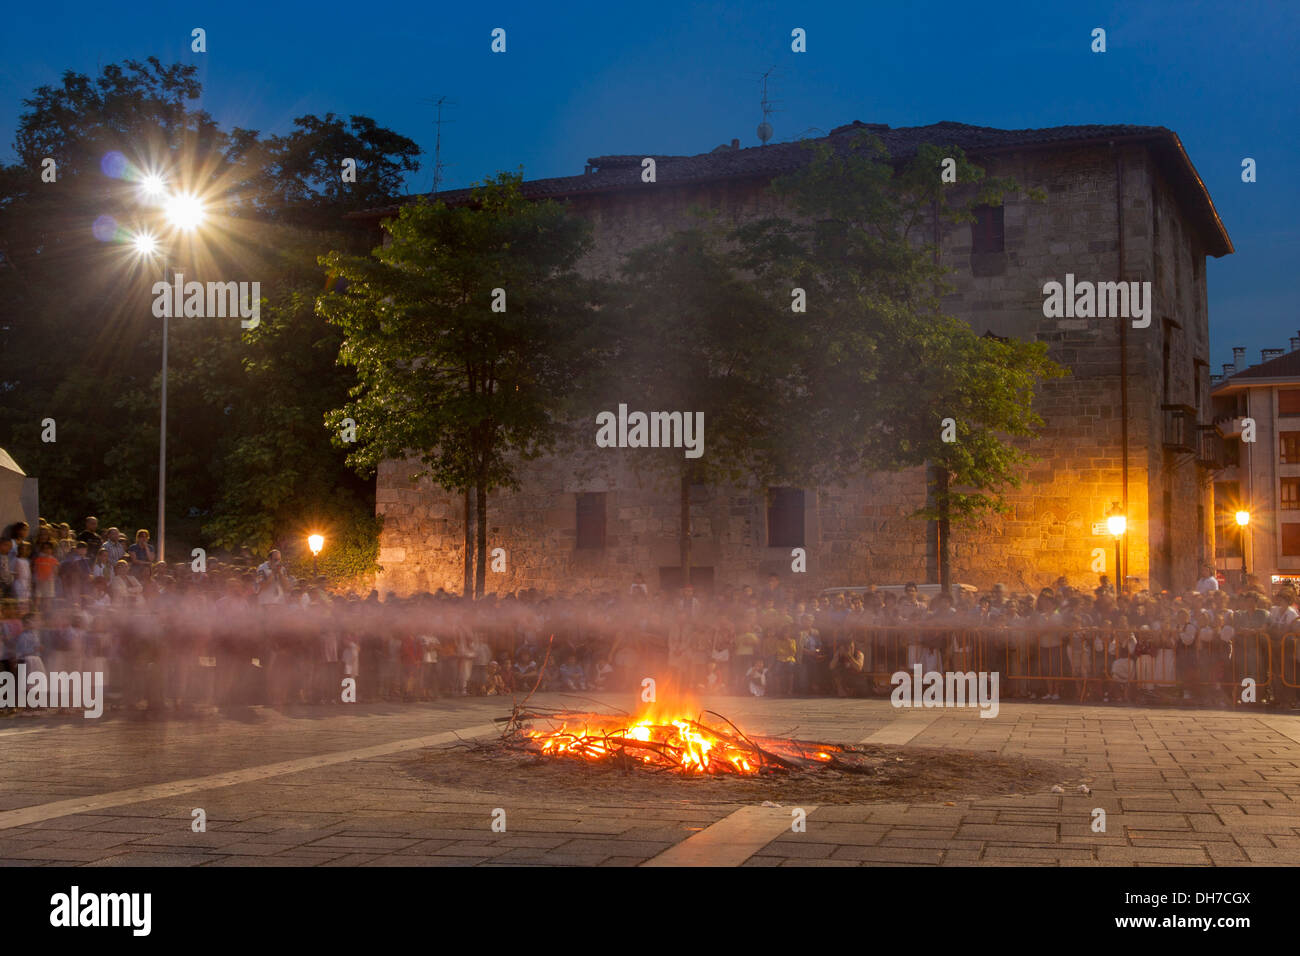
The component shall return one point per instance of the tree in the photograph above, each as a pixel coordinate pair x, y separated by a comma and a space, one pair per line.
467, 334
697, 338
248, 462
876, 366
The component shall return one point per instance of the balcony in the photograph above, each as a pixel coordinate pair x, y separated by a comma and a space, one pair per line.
1211, 451
1230, 426
1180, 434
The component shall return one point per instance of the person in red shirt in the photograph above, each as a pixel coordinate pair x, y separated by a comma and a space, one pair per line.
45, 571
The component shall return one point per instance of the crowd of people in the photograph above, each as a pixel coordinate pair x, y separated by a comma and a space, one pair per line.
172, 638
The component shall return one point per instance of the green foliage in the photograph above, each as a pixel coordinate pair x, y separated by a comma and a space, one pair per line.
442, 376
686, 331
351, 550
249, 462
875, 365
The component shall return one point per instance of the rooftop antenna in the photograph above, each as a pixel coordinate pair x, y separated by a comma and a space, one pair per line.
769, 107
438, 165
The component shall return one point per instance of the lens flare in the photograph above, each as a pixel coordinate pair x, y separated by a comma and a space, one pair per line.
104, 229
113, 164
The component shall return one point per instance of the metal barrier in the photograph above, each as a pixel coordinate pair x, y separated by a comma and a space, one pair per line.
1087, 664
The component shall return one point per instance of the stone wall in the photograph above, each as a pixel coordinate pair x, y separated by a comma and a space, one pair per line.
862, 532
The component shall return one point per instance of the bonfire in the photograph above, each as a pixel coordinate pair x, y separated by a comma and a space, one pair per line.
670, 741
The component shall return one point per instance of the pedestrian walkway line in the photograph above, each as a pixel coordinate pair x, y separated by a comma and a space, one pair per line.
732, 840
901, 731
62, 808
1286, 726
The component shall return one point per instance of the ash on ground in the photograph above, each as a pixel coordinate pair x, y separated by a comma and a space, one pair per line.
889, 774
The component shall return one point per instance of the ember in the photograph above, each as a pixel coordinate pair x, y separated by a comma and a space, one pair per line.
676, 743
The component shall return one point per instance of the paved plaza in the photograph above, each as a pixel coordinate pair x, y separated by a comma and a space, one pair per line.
332, 786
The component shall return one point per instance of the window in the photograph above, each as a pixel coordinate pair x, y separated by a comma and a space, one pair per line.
591, 519
1288, 401
1290, 494
1290, 453
785, 518
1291, 540
986, 231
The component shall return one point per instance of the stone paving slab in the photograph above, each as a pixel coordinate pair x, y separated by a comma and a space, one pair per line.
1199, 787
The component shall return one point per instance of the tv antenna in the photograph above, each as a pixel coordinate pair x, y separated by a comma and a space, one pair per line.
438, 164
768, 106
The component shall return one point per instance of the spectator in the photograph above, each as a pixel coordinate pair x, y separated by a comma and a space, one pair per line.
846, 670
273, 585
90, 535
45, 572
141, 555
112, 544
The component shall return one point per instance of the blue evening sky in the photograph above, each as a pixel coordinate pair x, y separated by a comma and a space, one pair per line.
582, 80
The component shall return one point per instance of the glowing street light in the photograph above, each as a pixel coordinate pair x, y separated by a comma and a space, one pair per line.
146, 246
1117, 524
1243, 519
153, 185
184, 211
315, 542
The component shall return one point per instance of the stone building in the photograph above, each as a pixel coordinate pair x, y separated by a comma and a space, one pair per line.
1124, 203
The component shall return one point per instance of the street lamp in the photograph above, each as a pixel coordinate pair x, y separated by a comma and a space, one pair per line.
1117, 524
1243, 519
315, 542
185, 212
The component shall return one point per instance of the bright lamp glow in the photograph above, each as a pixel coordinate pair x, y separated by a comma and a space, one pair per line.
315, 542
184, 210
1243, 518
145, 244
1116, 524
152, 185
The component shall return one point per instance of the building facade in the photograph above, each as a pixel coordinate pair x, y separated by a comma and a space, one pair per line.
1257, 411
1129, 426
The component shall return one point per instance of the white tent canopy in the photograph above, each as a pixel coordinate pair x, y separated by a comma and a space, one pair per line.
18, 499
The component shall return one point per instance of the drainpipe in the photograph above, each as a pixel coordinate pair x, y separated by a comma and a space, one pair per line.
1123, 372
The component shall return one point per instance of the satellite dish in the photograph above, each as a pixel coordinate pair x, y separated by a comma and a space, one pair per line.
764, 131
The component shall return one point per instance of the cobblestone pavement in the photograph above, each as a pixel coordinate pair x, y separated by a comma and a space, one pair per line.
325, 786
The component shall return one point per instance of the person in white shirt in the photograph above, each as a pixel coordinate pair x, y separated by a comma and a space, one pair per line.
1208, 581
272, 580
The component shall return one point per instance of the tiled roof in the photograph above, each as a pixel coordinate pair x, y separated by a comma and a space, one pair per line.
613, 173
1286, 365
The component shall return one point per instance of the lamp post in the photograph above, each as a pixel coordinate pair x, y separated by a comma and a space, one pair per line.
315, 542
1243, 519
1116, 524
185, 212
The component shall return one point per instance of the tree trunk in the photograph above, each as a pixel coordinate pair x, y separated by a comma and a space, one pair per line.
945, 552
685, 540
468, 589
480, 571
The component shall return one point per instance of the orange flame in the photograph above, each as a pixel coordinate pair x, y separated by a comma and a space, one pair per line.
674, 742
